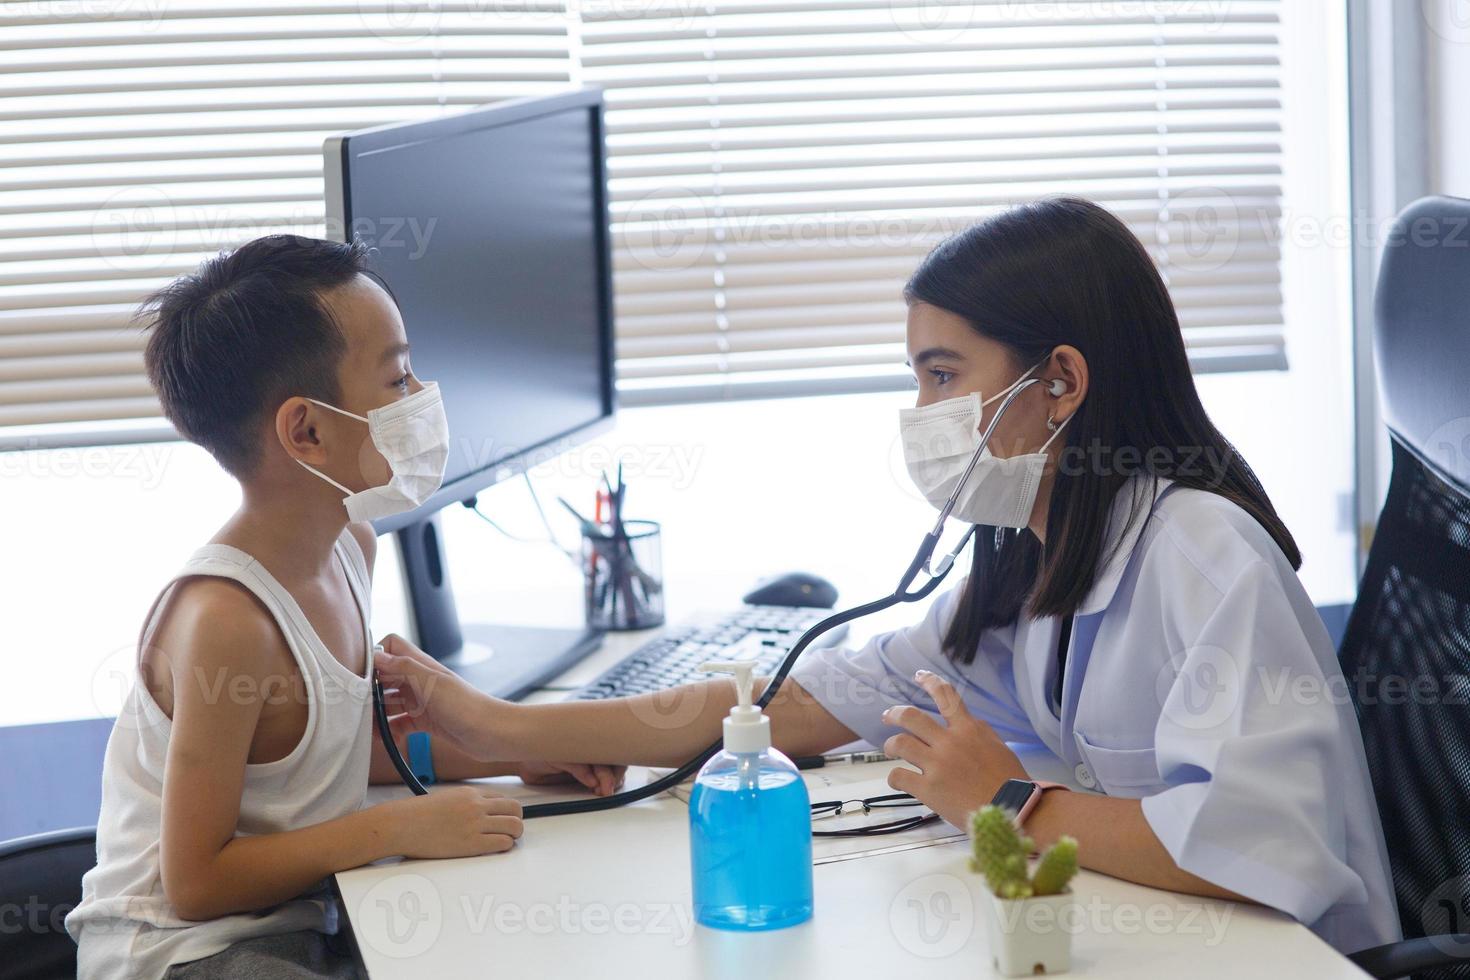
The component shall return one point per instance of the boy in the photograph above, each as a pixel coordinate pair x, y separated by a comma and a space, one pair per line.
235, 777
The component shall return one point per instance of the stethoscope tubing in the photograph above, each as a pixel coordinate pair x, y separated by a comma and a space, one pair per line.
903, 593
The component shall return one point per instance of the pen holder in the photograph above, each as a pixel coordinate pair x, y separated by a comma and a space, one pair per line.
624, 577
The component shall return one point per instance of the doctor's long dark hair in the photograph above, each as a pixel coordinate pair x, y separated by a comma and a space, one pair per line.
1065, 271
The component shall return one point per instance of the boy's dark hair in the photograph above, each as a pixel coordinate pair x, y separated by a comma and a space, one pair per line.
244, 332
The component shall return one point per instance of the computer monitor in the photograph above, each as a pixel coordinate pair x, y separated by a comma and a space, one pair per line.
490, 227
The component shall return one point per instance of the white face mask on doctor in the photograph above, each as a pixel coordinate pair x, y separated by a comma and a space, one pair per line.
940, 439
413, 436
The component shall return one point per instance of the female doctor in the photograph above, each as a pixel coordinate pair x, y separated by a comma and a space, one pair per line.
1133, 606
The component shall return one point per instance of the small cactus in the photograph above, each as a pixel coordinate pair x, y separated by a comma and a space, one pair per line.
1001, 854
1056, 868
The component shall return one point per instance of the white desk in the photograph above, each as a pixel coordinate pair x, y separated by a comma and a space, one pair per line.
608, 895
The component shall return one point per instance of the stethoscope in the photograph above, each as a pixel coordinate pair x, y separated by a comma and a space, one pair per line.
905, 592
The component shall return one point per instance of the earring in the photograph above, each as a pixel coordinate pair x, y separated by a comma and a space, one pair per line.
1051, 423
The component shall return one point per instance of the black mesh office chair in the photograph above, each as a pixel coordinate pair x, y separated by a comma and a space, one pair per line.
1406, 651
41, 881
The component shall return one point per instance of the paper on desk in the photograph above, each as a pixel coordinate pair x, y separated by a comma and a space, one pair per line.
817, 780
856, 782
827, 850
512, 787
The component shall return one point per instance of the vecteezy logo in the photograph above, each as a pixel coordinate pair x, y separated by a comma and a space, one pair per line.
1449, 19
934, 21
1444, 915
933, 916
1449, 446
401, 916
113, 683
1199, 229
671, 708
400, 21
135, 228
1200, 689
669, 229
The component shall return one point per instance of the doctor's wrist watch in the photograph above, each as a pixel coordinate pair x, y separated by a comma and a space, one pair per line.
1020, 796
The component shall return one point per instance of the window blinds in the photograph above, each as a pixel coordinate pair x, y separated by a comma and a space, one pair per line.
777, 167
141, 136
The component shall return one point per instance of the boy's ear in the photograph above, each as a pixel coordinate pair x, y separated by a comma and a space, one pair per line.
297, 424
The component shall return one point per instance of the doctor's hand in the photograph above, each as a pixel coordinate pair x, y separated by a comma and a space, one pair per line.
602, 780
961, 761
422, 695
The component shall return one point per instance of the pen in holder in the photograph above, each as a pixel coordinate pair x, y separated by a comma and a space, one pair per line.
624, 576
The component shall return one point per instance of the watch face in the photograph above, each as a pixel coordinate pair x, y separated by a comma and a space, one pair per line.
1013, 795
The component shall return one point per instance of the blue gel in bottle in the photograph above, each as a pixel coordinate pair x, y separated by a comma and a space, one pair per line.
750, 830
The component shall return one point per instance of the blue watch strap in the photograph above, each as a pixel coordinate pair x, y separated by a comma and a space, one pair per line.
421, 757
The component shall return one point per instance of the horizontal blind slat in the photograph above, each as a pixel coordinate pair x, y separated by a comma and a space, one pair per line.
137, 146
777, 167
120, 363
19, 394
42, 413
152, 14
18, 349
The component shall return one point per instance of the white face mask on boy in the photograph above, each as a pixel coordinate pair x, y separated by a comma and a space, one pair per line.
938, 441
413, 436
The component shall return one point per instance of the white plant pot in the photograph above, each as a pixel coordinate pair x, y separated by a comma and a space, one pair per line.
1031, 936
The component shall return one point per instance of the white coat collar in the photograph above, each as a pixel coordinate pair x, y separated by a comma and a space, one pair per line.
1121, 537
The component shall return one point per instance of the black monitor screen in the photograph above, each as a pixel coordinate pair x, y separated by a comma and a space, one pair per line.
491, 238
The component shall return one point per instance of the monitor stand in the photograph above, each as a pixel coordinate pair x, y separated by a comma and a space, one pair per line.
504, 661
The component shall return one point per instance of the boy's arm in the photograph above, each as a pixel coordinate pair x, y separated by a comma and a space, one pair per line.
223, 654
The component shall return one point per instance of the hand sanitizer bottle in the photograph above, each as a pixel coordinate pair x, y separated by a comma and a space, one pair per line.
750, 825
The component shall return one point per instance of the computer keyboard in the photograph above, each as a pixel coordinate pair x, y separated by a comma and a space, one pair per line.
760, 633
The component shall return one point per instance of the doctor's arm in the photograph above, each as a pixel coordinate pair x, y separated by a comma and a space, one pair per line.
661, 729
1114, 838
960, 763
452, 763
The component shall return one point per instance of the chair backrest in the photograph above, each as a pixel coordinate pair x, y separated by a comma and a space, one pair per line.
1406, 650
1421, 333
40, 882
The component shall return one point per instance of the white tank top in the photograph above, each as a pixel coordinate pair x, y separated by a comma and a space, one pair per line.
124, 926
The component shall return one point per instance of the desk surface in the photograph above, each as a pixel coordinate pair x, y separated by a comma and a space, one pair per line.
608, 895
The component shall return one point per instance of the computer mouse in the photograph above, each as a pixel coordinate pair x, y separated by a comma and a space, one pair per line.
794, 589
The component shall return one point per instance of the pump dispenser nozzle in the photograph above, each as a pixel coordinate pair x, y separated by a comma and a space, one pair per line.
746, 729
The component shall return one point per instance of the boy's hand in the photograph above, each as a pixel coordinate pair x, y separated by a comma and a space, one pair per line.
602, 780
461, 821
422, 695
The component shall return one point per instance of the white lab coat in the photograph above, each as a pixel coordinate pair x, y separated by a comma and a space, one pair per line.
1200, 679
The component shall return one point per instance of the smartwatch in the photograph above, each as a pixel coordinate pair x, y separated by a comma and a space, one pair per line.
1020, 796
